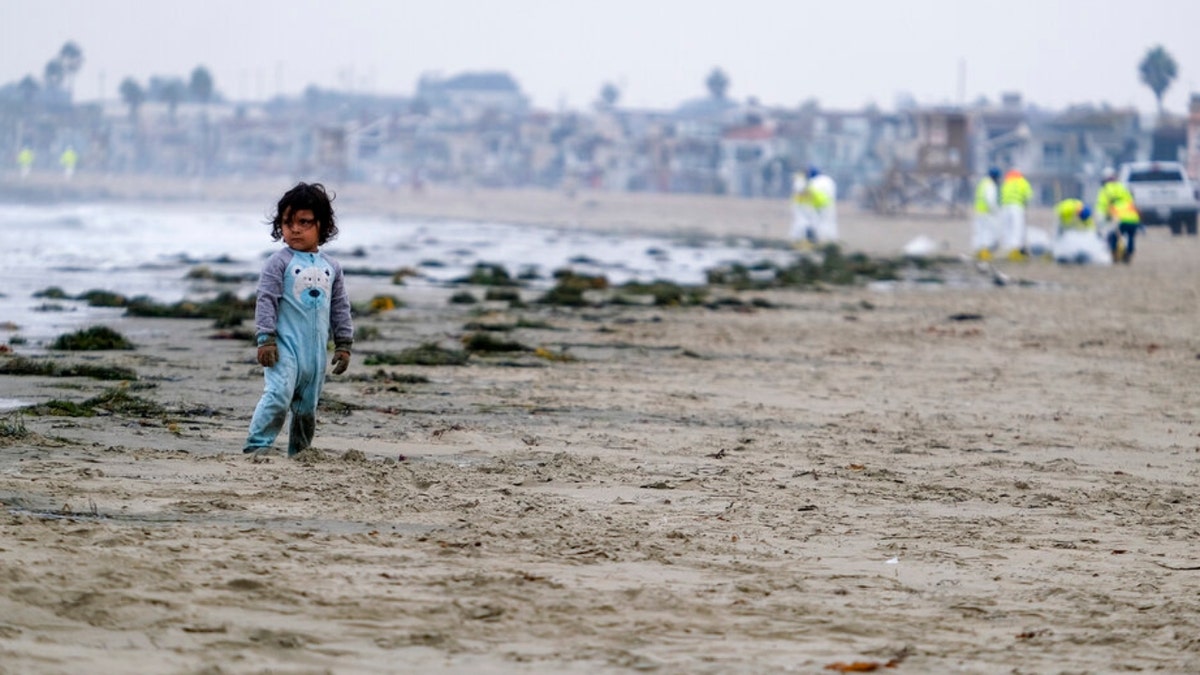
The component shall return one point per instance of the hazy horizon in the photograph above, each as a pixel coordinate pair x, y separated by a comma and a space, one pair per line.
845, 55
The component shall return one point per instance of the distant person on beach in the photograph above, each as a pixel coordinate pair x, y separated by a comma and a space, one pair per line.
1075, 238
1015, 193
1073, 214
1114, 203
25, 162
68, 160
301, 303
985, 227
814, 209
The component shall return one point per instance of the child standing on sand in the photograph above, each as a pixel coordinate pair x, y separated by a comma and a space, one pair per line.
301, 302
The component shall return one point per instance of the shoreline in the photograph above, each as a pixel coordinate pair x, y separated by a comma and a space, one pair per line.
676, 215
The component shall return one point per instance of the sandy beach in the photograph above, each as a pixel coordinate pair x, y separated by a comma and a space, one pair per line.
915, 478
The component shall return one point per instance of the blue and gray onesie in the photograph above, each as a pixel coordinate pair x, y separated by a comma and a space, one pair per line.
301, 302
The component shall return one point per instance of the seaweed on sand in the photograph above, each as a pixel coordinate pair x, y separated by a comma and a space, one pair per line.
19, 365
226, 308
92, 339
488, 274
486, 342
663, 293
825, 266
509, 295
13, 427
115, 401
568, 290
52, 293
426, 354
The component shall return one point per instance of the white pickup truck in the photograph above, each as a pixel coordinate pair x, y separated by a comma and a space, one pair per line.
1163, 193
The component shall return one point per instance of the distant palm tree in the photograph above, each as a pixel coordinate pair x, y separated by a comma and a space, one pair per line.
609, 95
71, 57
717, 83
200, 86
172, 93
28, 88
1157, 70
53, 74
133, 95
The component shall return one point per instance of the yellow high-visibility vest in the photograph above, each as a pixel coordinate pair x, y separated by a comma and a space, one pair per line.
1015, 190
986, 193
1116, 202
1068, 215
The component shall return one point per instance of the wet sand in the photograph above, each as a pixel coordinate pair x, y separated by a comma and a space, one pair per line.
978, 479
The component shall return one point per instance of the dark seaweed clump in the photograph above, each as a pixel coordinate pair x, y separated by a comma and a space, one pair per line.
385, 377
22, 366
488, 274
569, 288
826, 266
427, 354
205, 273
664, 293
115, 401
509, 295
366, 333
52, 293
226, 309
13, 428
486, 342
95, 338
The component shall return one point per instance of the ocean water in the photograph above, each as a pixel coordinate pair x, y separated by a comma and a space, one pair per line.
149, 249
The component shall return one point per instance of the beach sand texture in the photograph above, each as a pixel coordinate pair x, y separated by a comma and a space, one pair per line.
854, 475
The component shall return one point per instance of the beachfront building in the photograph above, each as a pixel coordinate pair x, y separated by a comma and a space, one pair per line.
1062, 154
479, 129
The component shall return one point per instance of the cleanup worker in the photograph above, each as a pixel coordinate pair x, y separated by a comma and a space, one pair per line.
1015, 194
68, 160
824, 192
1115, 204
1073, 214
985, 228
25, 161
814, 209
1075, 240
804, 215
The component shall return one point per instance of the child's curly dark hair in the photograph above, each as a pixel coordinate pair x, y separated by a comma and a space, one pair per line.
306, 197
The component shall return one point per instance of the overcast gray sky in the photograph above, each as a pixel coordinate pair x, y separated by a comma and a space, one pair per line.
844, 53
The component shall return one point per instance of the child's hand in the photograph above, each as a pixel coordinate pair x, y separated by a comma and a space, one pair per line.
268, 355
341, 361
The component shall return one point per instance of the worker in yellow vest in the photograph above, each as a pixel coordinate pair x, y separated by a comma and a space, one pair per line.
25, 161
804, 215
68, 160
824, 191
1076, 241
814, 209
1015, 193
1115, 204
985, 228
1073, 214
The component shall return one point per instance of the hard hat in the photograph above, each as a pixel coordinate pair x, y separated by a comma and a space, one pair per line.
813, 171
994, 172
1085, 213
1110, 174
